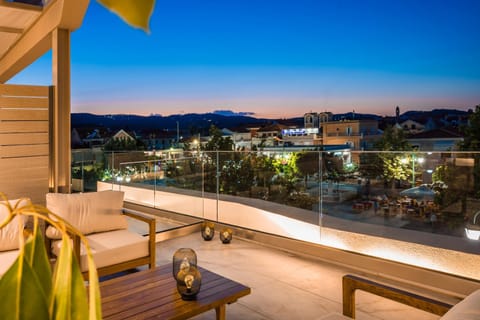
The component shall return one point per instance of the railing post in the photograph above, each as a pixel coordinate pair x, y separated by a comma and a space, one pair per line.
320, 197
218, 181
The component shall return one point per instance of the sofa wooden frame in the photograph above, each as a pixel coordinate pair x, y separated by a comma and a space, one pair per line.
130, 264
351, 283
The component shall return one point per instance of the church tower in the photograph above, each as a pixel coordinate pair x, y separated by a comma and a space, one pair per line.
310, 120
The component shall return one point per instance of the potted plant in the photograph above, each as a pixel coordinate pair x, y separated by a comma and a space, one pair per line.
29, 289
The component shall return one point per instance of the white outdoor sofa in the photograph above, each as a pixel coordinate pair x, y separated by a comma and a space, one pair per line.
101, 218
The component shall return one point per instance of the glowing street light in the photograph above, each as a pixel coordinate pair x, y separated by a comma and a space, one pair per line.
196, 145
414, 160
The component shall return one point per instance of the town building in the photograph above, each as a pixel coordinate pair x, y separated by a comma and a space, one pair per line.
359, 134
442, 139
412, 127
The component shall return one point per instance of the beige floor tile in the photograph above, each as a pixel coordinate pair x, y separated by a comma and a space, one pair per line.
284, 285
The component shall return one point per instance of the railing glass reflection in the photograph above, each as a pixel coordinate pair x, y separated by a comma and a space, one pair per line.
382, 194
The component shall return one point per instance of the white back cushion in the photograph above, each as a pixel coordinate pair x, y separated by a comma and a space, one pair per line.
9, 235
7, 258
88, 212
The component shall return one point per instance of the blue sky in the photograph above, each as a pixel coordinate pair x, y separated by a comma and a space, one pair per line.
276, 58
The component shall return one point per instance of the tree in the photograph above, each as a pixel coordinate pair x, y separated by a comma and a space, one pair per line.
237, 175
471, 142
471, 139
393, 139
217, 141
123, 144
307, 164
391, 164
286, 171
264, 172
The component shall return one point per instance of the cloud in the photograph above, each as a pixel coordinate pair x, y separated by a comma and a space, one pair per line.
230, 113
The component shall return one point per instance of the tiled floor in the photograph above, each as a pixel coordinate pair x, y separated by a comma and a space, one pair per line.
284, 285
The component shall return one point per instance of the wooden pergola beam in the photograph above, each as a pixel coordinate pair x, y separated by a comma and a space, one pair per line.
36, 40
18, 5
60, 153
10, 30
50, 30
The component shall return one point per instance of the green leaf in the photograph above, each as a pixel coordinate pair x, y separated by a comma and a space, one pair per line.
36, 256
79, 293
21, 295
70, 300
134, 12
95, 311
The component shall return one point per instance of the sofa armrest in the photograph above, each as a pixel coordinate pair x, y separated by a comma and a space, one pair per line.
139, 216
151, 230
352, 283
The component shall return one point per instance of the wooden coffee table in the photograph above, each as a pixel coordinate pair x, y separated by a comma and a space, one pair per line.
153, 294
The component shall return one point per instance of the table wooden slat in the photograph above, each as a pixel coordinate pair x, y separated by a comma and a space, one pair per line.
153, 294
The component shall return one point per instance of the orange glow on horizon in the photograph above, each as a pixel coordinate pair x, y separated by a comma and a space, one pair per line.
258, 108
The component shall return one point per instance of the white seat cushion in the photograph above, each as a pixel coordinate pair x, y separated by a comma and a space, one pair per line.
467, 309
112, 247
7, 258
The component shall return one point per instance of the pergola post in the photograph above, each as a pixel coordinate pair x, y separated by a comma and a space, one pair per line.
60, 155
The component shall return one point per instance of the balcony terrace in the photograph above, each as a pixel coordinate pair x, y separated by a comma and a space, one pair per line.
339, 229
296, 232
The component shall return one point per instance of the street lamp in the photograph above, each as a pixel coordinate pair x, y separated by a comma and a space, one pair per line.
414, 160
178, 132
196, 145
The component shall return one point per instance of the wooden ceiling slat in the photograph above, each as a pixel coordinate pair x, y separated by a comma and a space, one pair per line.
10, 30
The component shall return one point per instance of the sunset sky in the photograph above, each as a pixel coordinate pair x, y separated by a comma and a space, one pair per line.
276, 58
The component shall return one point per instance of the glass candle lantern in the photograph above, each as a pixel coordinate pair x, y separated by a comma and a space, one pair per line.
226, 235
208, 230
189, 282
183, 259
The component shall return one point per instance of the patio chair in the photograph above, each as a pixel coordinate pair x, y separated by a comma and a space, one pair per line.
101, 218
466, 309
9, 236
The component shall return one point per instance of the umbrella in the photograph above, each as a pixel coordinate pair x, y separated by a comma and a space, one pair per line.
420, 193
473, 229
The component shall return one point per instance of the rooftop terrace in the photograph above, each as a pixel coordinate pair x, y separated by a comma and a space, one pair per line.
292, 254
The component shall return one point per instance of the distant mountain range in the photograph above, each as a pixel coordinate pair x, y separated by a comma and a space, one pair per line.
193, 123
187, 123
